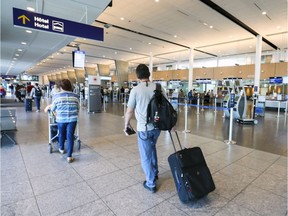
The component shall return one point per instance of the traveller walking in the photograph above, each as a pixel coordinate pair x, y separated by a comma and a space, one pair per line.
139, 99
36, 93
65, 105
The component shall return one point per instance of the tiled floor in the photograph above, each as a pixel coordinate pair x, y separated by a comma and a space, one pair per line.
106, 177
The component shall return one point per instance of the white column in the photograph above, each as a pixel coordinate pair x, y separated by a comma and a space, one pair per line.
218, 59
151, 67
258, 63
191, 61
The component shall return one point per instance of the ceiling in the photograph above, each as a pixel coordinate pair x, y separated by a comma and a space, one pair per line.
165, 30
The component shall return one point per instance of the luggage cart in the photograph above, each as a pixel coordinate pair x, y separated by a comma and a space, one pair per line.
54, 133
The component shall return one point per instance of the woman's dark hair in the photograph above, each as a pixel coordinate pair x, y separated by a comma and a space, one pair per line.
142, 72
66, 85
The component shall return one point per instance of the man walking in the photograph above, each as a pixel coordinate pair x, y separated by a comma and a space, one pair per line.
139, 99
36, 93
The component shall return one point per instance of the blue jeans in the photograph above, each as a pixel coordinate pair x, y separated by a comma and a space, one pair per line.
66, 131
37, 102
147, 148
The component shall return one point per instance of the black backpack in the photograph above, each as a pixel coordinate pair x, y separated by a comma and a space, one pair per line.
160, 112
38, 92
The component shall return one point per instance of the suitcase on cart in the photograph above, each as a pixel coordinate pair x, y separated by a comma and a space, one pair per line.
191, 174
28, 104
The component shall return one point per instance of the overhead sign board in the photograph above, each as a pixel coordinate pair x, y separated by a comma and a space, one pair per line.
42, 22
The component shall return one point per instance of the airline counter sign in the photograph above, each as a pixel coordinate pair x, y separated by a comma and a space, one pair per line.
42, 22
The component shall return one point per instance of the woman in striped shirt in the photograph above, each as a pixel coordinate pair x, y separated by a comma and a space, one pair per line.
65, 106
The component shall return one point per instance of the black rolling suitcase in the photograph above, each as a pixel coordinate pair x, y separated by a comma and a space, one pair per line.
191, 174
28, 104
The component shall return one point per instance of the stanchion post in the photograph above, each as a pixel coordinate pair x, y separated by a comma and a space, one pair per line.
124, 105
215, 103
186, 117
104, 103
202, 109
279, 103
232, 101
198, 104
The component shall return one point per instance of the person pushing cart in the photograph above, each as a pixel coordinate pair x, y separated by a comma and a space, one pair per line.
65, 106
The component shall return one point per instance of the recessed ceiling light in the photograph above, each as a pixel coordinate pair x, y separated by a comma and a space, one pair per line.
211, 26
264, 13
15, 58
20, 50
130, 48
23, 43
205, 24
16, 54
30, 9
115, 53
175, 36
156, 0
122, 18
278, 27
29, 31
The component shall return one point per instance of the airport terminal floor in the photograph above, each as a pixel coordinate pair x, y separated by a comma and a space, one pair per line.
106, 177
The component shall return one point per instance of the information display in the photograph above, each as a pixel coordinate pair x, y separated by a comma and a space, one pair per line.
78, 59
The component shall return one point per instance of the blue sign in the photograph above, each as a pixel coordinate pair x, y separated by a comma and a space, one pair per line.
232, 100
42, 22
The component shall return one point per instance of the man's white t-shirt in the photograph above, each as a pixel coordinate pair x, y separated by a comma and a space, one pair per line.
139, 99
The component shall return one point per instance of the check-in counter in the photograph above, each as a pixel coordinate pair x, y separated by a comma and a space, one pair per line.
275, 102
279, 104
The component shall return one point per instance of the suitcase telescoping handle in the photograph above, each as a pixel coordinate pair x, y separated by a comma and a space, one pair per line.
173, 140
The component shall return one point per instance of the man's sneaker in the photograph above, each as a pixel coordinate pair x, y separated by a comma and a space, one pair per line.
37, 110
152, 189
70, 159
61, 151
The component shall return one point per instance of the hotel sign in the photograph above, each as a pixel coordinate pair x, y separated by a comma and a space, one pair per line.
42, 22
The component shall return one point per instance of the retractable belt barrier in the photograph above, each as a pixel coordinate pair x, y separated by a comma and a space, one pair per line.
204, 107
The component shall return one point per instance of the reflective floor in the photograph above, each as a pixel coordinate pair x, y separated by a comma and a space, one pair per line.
106, 176
269, 134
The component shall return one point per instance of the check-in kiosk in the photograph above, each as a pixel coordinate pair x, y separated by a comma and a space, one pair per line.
226, 101
94, 94
240, 106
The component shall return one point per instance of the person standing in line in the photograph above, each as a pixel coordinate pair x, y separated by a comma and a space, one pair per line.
36, 92
66, 107
139, 99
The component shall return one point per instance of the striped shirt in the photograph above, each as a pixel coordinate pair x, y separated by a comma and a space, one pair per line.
66, 106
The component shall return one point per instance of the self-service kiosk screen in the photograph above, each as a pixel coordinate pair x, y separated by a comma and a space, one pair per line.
226, 98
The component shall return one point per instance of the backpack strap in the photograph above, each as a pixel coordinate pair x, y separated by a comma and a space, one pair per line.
158, 86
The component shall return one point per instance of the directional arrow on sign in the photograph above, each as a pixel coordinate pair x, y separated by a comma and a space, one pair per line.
24, 18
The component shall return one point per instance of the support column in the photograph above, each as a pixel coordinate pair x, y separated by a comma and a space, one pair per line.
257, 64
151, 67
191, 62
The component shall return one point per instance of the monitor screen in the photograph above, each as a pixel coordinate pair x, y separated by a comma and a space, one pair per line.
237, 83
227, 83
78, 58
